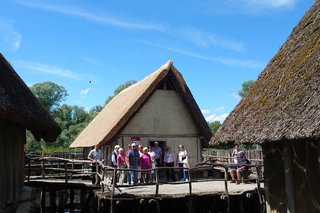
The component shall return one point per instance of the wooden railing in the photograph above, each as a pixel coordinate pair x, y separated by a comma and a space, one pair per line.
57, 168
109, 174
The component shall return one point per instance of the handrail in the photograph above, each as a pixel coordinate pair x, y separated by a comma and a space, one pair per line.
43, 164
111, 173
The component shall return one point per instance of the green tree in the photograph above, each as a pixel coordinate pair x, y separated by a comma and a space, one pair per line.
119, 89
246, 86
214, 126
49, 94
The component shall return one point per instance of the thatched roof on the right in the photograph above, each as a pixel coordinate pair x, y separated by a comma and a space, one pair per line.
284, 103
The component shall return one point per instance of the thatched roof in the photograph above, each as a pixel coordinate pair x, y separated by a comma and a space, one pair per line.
118, 112
18, 104
284, 103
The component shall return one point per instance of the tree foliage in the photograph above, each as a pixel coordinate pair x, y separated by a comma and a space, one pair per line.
214, 126
49, 94
246, 86
119, 89
71, 119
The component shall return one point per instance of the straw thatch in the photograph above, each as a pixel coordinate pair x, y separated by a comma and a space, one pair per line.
19, 105
116, 114
284, 101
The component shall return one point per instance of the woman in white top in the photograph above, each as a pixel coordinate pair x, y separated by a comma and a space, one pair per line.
181, 159
169, 162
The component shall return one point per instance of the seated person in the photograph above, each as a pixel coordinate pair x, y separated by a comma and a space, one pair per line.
237, 173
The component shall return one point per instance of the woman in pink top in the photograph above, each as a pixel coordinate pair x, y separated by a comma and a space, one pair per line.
146, 163
121, 164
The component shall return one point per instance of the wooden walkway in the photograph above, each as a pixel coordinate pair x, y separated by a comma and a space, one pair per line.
56, 174
180, 190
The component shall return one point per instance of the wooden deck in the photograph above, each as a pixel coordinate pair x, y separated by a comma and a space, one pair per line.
179, 190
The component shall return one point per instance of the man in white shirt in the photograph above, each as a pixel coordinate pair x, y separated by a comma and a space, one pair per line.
94, 155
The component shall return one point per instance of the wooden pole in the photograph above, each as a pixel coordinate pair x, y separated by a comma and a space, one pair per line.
71, 200
83, 193
53, 197
43, 199
66, 171
157, 181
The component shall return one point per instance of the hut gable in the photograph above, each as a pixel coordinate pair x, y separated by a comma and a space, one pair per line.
124, 106
284, 101
19, 105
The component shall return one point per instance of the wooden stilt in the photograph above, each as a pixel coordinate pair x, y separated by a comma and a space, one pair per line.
43, 200
71, 200
83, 200
53, 204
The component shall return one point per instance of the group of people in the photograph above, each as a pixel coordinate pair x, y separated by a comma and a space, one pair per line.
238, 172
142, 160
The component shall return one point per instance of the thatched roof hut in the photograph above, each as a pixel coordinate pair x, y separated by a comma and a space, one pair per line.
19, 110
123, 107
158, 108
282, 113
284, 101
19, 105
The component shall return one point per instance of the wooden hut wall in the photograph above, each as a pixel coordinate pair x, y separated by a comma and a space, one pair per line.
12, 137
292, 174
274, 177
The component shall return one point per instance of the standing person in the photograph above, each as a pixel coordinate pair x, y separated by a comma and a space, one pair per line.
146, 163
169, 162
129, 180
235, 152
140, 150
114, 156
134, 163
153, 160
158, 152
186, 168
121, 164
94, 155
182, 155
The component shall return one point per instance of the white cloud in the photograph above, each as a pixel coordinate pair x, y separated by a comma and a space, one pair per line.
92, 16
236, 96
44, 68
205, 39
214, 117
227, 61
9, 37
270, 3
85, 91
221, 108
205, 111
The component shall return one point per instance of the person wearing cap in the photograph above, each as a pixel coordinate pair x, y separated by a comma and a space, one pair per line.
114, 156
158, 152
133, 156
237, 173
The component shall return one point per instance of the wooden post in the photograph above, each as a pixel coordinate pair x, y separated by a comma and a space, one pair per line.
29, 168
157, 181
190, 184
53, 197
43, 199
83, 199
71, 200
42, 169
191, 206
66, 171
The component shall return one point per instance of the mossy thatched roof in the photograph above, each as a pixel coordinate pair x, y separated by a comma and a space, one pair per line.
284, 103
121, 109
19, 105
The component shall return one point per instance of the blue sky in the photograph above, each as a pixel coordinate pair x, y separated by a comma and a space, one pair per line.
215, 44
